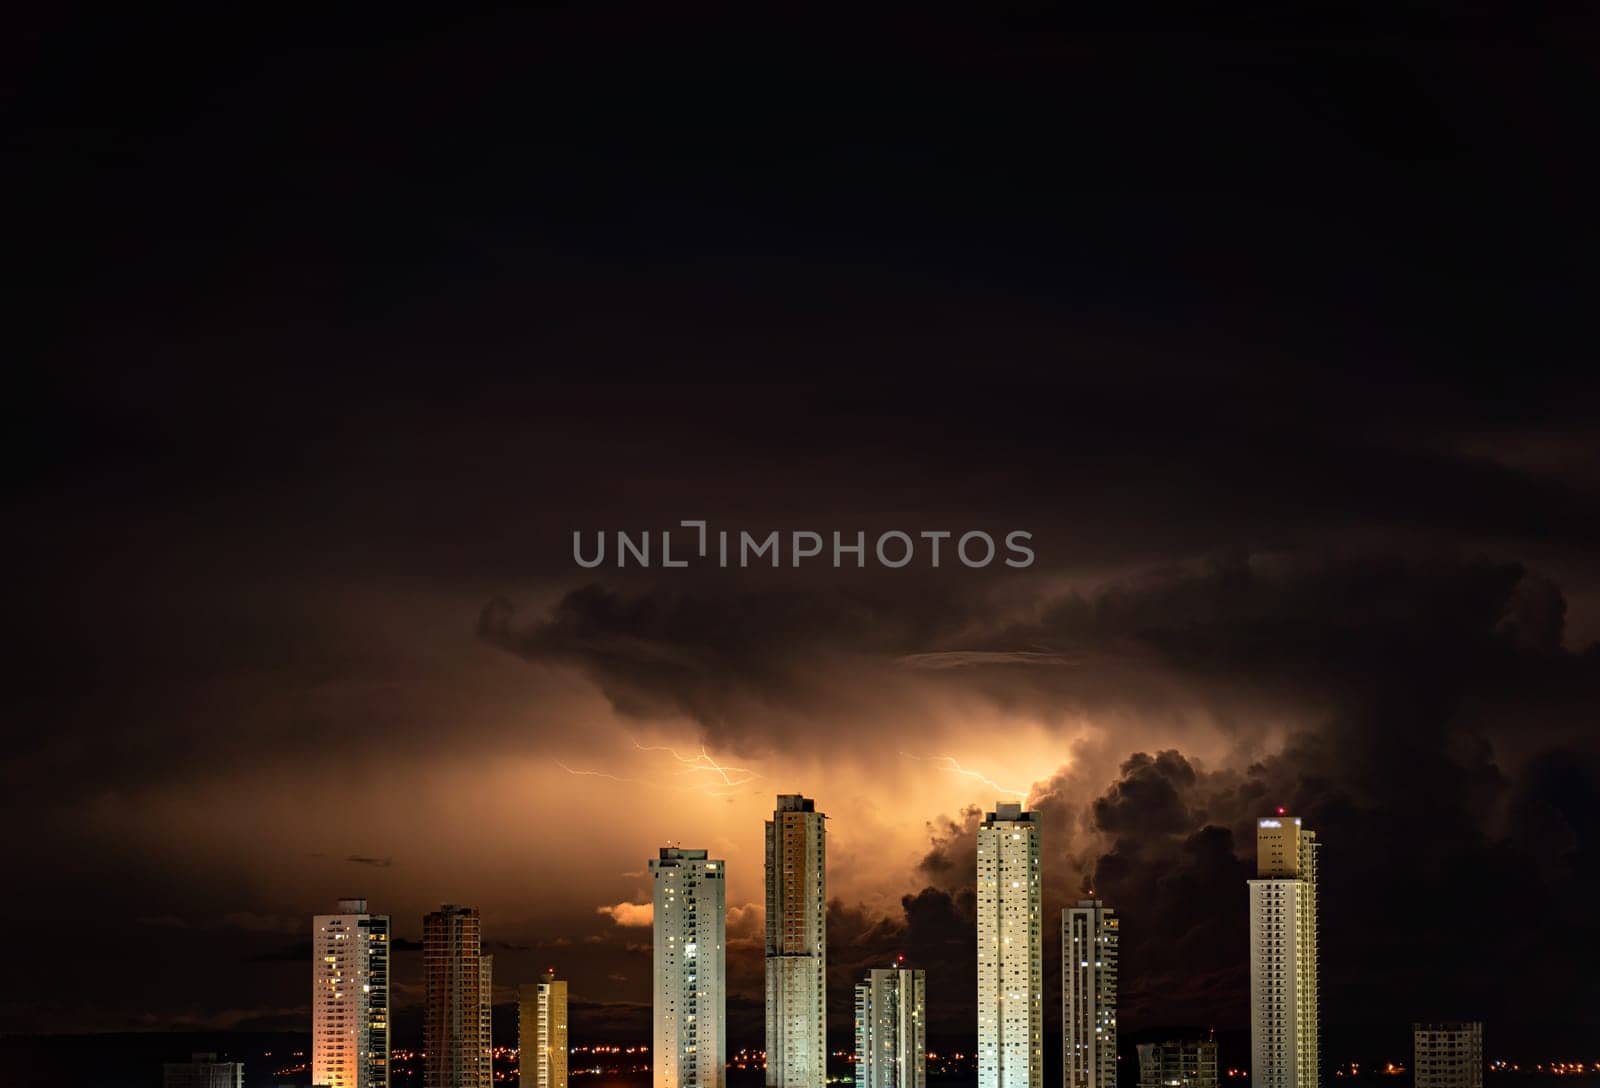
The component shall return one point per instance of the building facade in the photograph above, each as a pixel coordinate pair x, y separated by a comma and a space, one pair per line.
891, 1029
1447, 1055
1010, 951
202, 1071
1178, 1064
1285, 1009
797, 907
456, 1012
1089, 934
486, 1020
542, 1032
690, 1044
350, 998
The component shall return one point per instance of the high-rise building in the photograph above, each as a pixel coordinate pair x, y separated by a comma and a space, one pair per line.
891, 1029
797, 908
542, 1032
1285, 1010
690, 977
350, 998
486, 1020
1089, 994
202, 1071
455, 1017
1447, 1055
1187, 1063
1010, 951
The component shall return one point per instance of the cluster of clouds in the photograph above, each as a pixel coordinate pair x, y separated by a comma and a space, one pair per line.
1422, 713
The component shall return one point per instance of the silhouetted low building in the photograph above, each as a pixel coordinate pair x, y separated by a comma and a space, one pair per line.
1447, 1055
1183, 1063
202, 1071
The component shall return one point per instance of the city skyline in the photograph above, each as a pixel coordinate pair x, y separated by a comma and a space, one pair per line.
688, 917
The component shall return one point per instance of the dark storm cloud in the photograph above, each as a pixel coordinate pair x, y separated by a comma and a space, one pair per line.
1365, 642
932, 930
1410, 873
376, 863
298, 952
708, 656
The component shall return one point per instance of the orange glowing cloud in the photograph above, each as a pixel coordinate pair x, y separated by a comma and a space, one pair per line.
629, 914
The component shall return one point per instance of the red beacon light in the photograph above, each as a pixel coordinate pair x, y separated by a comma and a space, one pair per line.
1281, 810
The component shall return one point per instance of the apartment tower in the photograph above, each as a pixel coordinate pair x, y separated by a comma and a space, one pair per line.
202, 1071
1178, 1063
1447, 1055
891, 1029
690, 975
1089, 994
542, 1032
1010, 951
350, 997
1284, 1006
797, 905
455, 1017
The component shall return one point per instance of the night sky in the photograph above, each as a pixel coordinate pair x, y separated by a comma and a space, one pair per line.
1275, 331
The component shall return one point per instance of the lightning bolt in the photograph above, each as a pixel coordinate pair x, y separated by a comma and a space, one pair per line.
953, 765
603, 774
702, 763
725, 781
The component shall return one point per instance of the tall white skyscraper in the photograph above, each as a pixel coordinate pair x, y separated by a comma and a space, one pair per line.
1089, 994
1284, 1007
891, 1029
690, 976
350, 997
1010, 951
797, 909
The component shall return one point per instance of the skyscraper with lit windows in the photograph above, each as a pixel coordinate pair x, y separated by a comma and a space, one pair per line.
1285, 1011
1089, 937
350, 997
892, 1029
689, 1037
797, 935
1010, 951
